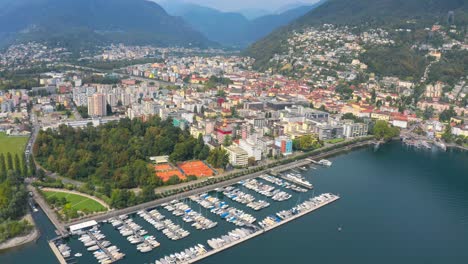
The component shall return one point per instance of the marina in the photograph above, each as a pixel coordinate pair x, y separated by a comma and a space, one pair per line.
151, 229
323, 232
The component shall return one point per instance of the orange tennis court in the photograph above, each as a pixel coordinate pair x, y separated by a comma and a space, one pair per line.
166, 175
196, 168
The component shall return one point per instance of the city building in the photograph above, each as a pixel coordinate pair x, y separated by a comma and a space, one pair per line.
97, 105
237, 156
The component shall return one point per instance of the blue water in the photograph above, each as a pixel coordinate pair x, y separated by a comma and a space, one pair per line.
399, 205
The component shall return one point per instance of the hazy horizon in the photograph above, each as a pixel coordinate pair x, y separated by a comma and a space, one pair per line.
230, 5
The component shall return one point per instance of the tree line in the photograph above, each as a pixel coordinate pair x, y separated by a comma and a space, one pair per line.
13, 197
116, 153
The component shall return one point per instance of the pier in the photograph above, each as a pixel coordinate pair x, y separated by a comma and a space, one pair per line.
215, 251
57, 254
104, 249
261, 231
296, 182
60, 227
284, 221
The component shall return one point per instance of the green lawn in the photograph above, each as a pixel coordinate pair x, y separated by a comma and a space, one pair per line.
77, 202
14, 145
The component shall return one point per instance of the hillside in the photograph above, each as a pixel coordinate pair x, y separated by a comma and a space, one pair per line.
231, 28
366, 14
85, 23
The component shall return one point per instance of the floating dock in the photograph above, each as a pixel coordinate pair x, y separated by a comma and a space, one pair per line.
296, 182
261, 231
59, 256
284, 221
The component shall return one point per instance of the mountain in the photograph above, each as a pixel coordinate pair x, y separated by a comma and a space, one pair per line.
84, 23
263, 26
289, 6
365, 13
230, 28
224, 27
253, 13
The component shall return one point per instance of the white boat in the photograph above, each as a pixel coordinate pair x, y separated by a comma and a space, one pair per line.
78, 255
93, 248
325, 162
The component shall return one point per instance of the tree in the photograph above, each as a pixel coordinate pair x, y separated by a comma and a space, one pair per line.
174, 179
447, 114
351, 116
218, 158
3, 167
9, 159
227, 141
25, 170
17, 165
147, 193
233, 112
428, 113
383, 131
447, 136
306, 142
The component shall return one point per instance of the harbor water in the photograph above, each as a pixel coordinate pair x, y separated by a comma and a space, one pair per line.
398, 205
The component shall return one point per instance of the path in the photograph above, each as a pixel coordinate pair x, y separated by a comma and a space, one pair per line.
48, 211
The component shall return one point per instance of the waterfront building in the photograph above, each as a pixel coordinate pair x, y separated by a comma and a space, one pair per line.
353, 130
251, 148
285, 144
237, 156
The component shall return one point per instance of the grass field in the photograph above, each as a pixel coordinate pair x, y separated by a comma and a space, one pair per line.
14, 145
77, 202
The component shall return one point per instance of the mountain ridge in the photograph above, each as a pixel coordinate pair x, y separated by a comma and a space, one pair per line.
231, 28
359, 12
97, 22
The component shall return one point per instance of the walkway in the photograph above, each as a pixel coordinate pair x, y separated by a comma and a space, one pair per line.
48, 211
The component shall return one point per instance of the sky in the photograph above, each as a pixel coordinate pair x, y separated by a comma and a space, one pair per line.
234, 5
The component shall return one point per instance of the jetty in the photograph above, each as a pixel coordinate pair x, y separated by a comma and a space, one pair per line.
299, 181
256, 232
104, 249
57, 254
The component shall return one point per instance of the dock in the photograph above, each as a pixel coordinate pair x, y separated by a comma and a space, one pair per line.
104, 249
215, 251
296, 182
301, 214
261, 231
59, 256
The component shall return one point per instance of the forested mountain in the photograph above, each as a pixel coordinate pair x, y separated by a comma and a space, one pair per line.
231, 28
366, 14
82, 23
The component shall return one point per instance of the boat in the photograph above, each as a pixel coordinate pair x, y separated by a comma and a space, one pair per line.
78, 255
93, 248
325, 162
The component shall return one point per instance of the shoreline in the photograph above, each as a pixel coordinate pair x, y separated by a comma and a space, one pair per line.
23, 240
458, 147
329, 153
